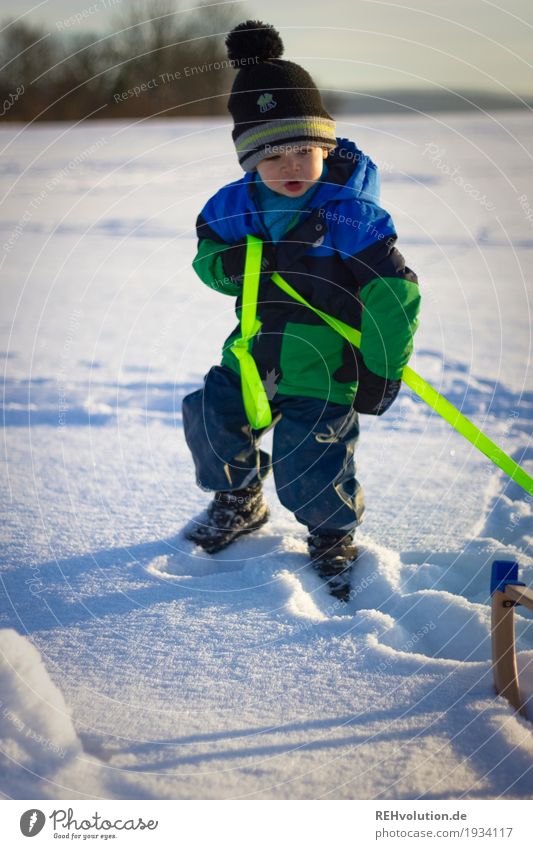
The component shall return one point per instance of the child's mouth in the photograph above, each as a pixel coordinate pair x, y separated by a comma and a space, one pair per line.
293, 185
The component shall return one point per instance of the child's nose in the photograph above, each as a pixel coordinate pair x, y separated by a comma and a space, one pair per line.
291, 165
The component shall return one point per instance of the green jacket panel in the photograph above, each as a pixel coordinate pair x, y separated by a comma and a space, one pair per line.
389, 321
208, 266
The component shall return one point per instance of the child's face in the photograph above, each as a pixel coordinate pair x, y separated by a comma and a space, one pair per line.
291, 170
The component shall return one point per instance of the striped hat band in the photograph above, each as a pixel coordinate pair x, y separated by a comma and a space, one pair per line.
256, 143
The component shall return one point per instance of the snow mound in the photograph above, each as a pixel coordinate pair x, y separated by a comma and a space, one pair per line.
40, 752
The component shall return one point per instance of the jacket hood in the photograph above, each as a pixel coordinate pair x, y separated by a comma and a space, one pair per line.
352, 180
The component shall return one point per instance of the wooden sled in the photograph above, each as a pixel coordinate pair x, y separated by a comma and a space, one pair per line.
507, 591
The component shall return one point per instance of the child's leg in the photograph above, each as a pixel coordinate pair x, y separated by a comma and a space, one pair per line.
313, 462
223, 446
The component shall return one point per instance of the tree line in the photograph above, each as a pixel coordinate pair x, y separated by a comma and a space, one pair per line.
155, 61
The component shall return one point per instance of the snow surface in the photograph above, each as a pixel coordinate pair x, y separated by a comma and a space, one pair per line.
134, 666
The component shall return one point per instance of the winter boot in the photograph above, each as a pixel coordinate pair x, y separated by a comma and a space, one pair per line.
229, 515
332, 556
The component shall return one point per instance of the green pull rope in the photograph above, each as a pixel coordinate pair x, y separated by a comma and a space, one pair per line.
468, 429
254, 397
417, 384
349, 333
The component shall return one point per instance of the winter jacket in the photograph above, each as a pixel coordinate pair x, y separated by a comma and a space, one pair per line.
341, 257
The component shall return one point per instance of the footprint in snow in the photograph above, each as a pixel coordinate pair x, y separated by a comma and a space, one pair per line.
191, 561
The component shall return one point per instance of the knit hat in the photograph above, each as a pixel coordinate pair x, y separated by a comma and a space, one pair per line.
273, 102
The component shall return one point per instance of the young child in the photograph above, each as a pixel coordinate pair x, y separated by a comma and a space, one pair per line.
313, 200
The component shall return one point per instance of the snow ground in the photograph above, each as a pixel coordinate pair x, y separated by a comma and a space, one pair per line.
133, 666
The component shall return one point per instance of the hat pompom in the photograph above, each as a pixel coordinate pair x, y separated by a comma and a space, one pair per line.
254, 40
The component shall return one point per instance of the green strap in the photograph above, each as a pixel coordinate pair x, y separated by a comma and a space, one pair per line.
424, 390
432, 398
254, 397
349, 333
466, 428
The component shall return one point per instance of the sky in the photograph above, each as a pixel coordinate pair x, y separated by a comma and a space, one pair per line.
365, 45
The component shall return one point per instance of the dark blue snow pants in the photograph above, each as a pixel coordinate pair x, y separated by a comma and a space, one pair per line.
312, 456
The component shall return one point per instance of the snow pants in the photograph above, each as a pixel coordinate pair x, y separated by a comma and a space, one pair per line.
312, 453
